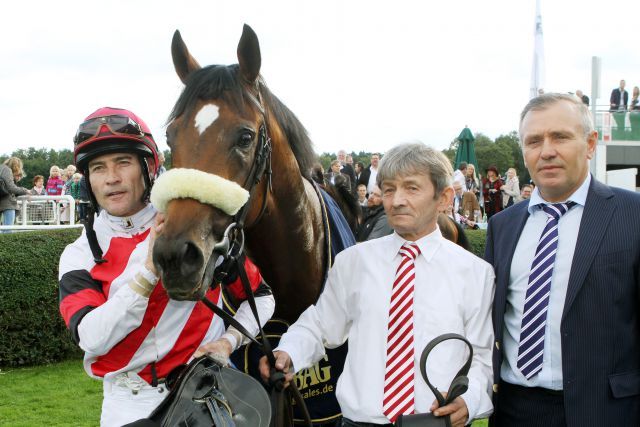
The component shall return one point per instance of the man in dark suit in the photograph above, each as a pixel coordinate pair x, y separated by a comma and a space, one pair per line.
337, 178
368, 176
618, 104
566, 308
347, 169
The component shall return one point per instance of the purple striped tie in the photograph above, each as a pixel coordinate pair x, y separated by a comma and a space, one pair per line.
534, 317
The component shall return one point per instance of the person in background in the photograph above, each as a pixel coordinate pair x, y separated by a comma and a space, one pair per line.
389, 297
581, 96
67, 176
374, 222
161, 168
511, 189
75, 190
471, 182
525, 193
38, 186
460, 175
368, 176
358, 167
634, 115
83, 202
347, 169
55, 183
618, 104
491, 192
11, 172
362, 195
336, 178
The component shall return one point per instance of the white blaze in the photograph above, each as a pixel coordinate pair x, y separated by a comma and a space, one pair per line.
205, 117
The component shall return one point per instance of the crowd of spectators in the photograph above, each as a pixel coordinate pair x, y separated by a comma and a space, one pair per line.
476, 198
60, 182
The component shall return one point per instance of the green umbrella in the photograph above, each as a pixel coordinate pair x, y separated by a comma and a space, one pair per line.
466, 149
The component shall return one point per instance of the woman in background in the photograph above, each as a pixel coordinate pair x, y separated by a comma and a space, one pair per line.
511, 189
11, 172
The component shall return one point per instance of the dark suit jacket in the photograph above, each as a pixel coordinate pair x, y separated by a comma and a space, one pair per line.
615, 99
600, 325
347, 180
347, 169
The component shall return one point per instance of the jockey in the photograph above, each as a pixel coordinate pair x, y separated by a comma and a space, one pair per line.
111, 299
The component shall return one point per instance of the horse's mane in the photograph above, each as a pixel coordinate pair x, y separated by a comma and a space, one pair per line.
220, 81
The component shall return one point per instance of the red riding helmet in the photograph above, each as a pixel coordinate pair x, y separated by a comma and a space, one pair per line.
113, 130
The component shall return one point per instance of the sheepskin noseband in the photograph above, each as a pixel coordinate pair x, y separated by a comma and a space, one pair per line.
204, 187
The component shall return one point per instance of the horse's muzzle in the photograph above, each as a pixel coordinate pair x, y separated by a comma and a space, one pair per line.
181, 265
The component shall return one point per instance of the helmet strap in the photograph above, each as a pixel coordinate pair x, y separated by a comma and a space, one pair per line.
96, 250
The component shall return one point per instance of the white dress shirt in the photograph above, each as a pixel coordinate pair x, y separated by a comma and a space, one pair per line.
550, 376
372, 179
449, 298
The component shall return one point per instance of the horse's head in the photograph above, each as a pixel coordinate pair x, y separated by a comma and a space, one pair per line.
217, 136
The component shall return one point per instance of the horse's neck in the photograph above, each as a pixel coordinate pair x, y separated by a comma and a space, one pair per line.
288, 243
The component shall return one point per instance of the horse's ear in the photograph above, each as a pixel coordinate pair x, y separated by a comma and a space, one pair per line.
182, 59
249, 54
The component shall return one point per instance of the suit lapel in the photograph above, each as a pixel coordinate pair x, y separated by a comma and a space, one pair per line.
596, 216
508, 242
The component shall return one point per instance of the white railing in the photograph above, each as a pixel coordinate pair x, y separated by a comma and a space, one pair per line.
44, 212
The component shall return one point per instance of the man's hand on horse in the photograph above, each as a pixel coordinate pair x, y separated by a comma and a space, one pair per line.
156, 229
219, 350
457, 409
283, 364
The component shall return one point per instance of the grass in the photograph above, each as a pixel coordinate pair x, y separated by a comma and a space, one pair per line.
60, 394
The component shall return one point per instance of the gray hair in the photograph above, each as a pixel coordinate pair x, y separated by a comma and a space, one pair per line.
543, 102
416, 158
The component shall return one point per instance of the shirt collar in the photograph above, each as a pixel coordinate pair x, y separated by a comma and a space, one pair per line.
428, 244
579, 196
134, 224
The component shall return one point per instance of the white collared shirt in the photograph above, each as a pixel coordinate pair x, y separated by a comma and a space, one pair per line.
550, 376
449, 297
372, 179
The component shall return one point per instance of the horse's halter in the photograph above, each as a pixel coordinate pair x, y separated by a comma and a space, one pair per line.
232, 243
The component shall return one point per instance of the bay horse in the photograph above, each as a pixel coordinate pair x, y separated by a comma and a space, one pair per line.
219, 125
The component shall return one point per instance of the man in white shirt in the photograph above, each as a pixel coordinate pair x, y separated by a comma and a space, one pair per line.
460, 175
447, 298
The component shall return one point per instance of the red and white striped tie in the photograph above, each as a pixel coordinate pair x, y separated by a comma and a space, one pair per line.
398, 378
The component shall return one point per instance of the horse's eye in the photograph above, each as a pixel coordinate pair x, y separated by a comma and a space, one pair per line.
246, 138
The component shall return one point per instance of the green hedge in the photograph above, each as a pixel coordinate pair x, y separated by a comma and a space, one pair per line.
31, 329
477, 239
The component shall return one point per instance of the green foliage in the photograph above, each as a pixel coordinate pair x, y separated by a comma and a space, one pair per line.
167, 159
477, 240
31, 329
51, 395
38, 161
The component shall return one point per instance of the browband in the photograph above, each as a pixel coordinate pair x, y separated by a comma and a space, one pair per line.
204, 187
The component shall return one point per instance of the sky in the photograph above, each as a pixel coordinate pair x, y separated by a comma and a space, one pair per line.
360, 75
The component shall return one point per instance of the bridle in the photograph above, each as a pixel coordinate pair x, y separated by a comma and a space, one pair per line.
231, 249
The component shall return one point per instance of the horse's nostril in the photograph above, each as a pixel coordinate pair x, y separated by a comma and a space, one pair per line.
191, 258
